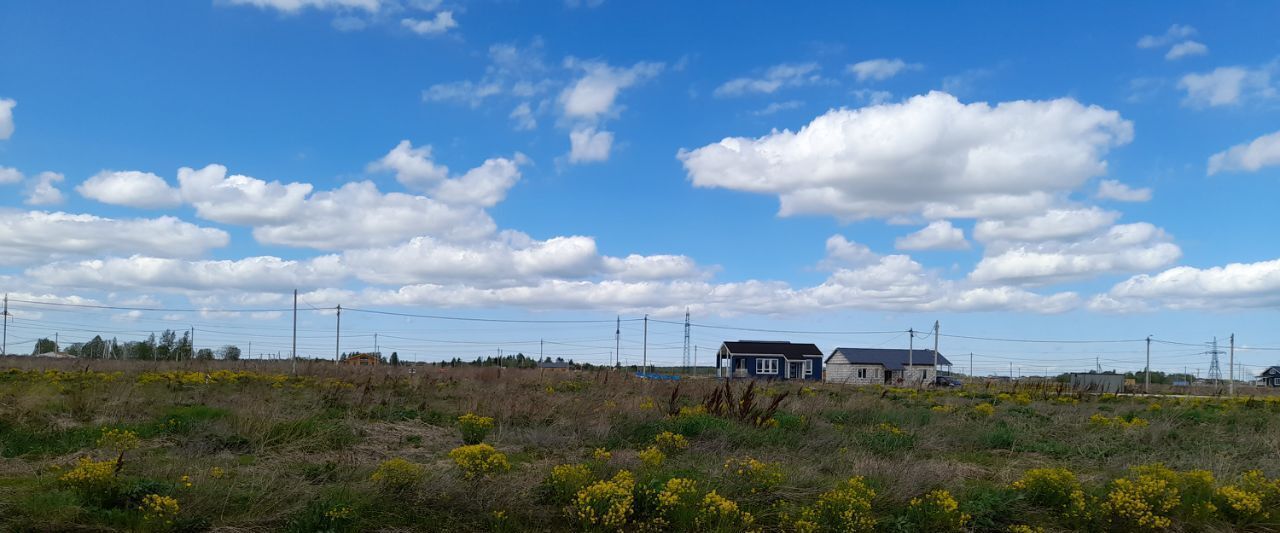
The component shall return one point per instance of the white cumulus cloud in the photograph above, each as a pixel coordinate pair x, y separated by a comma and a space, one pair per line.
938, 235
130, 188
774, 78
1186, 49
587, 145
1115, 190
37, 236
930, 154
6, 117
440, 23
1225, 86
1124, 248
1248, 157
43, 189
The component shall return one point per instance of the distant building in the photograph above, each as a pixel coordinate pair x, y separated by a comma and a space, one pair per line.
362, 359
555, 365
1095, 382
769, 360
868, 366
1270, 377
56, 355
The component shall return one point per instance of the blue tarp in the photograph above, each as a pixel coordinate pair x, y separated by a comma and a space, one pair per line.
651, 375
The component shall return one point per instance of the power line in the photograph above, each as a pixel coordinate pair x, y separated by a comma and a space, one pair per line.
475, 319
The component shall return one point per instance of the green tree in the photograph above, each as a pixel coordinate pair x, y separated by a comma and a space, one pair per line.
168, 342
204, 354
395, 359
229, 352
44, 346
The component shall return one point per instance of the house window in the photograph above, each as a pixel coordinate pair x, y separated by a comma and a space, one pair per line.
862, 372
1275, 382
808, 367
766, 366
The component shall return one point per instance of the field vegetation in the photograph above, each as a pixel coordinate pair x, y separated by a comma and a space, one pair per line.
246, 446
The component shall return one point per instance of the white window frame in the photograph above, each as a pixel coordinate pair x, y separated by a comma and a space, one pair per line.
862, 373
766, 365
808, 367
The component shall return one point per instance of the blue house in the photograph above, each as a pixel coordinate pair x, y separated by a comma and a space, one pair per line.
769, 360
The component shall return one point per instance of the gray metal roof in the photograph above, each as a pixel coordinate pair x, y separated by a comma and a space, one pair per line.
890, 358
786, 349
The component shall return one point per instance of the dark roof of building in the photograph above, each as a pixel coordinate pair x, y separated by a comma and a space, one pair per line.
890, 358
554, 364
786, 349
1271, 370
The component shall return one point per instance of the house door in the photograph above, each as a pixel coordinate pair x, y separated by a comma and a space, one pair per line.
795, 370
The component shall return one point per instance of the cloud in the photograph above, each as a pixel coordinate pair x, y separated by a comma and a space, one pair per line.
10, 175
484, 186
938, 235
1186, 49
842, 252
1250, 157
1233, 286
593, 94
776, 77
130, 188
294, 6
588, 145
1124, 248
461, 91
356, 214
522, 115
1114, 190
6, 117
1228, 86
880, 69
43, 189
38, 236
154, 273
441, 23
1174, 33
512, 259
930, 155
1054, 224
776, 107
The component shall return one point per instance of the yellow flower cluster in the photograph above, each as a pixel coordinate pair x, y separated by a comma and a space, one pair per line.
89, 475
1101, 420
1141, 504
847, 508
1023, 528
185, 481
398, 474
566, 480
722, 514
984, 409
755, 473
217, 472
339, 513
652, 456
671, 442
474, 427
604, 504
677, 492
1054, 488
647, 404
942, 408
888, 428
937, 511
58, 377
182, 377
118, 440
1020, 398
157, 507
1240, 505
479, 460
602, 455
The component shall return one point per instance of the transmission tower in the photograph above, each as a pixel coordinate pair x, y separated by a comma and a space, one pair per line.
686, 339
1215, 372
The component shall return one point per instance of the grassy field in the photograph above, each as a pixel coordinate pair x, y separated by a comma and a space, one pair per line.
102, 445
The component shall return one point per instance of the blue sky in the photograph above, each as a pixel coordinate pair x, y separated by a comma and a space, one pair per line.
1085, 171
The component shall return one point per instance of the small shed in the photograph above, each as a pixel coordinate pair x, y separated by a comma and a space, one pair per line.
362, 359
1096, 382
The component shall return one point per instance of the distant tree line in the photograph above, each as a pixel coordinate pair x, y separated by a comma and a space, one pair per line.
167, 347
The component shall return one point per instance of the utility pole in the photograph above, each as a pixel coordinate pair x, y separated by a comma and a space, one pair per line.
293, 351
695, 358
1146, 374
1231, 363
911, 348
539, 350
617, 341
970, 364
56, 346
686, 340
935, 350
250, 349
337, 336
192, 354
1010, 370
376, 351
4, 345
644, 363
